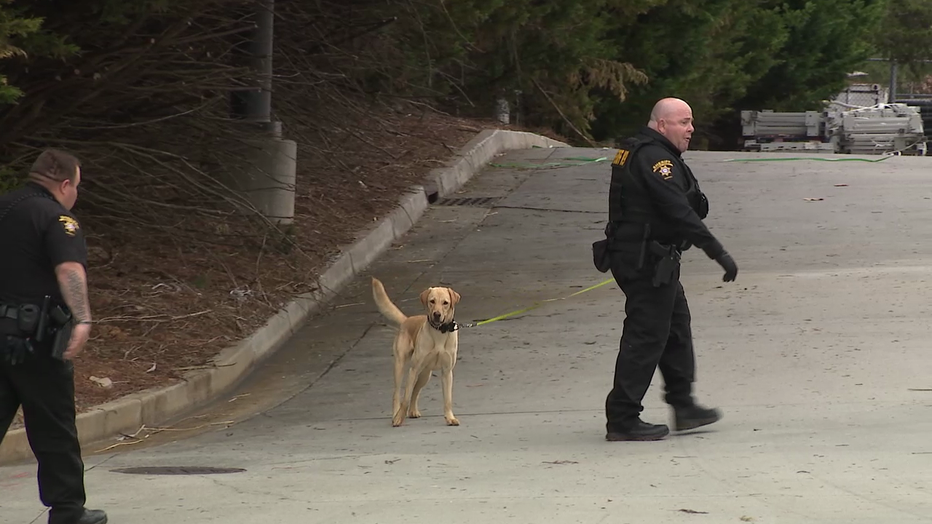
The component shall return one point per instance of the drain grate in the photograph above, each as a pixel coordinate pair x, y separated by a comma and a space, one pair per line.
178, 470
469, 201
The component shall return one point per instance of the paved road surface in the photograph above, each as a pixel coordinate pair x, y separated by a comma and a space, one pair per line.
819, 356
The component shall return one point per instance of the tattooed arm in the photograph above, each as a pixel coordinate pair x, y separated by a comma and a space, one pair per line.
72, 279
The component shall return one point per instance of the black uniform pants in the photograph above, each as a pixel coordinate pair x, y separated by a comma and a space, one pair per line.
45, 389
656, 333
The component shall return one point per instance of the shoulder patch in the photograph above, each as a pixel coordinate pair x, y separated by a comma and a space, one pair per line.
664, 168
69, 224
621, 157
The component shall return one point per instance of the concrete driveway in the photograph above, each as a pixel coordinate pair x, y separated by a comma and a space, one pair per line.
819, 355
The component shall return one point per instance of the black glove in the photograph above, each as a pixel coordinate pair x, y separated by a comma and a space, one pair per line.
18, 349
728, 264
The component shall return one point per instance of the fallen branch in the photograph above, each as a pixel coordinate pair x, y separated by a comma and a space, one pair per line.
156, 431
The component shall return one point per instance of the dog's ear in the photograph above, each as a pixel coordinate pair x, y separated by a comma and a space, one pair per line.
454, 297
425, 296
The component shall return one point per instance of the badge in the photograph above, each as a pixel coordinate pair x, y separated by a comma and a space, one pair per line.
69, 224
665, 168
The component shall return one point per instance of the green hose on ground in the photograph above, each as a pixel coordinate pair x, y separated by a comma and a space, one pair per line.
881, 159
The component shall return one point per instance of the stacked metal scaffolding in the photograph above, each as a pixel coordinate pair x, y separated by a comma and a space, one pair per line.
776, 131
879, 129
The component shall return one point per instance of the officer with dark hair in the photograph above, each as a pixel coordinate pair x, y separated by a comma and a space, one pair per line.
655, 213
45, 321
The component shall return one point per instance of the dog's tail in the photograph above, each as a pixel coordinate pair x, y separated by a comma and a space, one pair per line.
385, 305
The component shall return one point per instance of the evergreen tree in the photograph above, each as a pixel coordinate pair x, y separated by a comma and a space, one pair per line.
707, 52
12, 29
586, 68
905, 33
826, 40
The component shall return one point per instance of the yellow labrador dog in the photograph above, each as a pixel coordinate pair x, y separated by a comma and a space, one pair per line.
427, 342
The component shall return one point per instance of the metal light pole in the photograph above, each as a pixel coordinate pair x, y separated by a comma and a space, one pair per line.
268, 181
893, 71
254, 105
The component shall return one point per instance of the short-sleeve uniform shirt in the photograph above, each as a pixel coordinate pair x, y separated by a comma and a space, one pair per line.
36, 234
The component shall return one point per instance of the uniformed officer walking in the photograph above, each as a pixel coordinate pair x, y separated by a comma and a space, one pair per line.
655, 213
45, 321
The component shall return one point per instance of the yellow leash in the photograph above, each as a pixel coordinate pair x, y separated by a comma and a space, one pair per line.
535, 306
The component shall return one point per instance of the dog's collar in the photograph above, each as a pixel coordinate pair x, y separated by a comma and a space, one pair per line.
449, 327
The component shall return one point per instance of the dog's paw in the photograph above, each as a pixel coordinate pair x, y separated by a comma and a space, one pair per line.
452, 421
414, 414
398, 418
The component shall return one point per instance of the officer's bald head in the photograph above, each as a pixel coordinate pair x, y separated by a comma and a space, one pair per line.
673, 118
667, 108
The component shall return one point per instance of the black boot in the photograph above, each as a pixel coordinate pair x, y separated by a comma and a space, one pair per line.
694, 416
92, 516
640, 430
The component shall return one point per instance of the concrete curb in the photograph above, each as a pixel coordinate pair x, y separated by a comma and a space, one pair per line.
478, 152
157, 406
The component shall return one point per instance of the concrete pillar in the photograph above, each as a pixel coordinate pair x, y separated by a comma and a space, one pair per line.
502, 110
267, 180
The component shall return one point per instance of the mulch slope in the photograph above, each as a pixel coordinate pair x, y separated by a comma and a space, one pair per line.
164, 308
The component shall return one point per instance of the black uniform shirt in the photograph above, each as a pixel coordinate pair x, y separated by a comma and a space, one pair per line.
674, 191
35, 236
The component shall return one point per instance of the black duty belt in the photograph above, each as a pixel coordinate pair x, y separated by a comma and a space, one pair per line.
8, 311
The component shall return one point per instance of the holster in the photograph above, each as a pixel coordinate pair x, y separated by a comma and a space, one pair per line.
61, 326
601, 257
703, 210
667, 264
601, 254
60, 341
